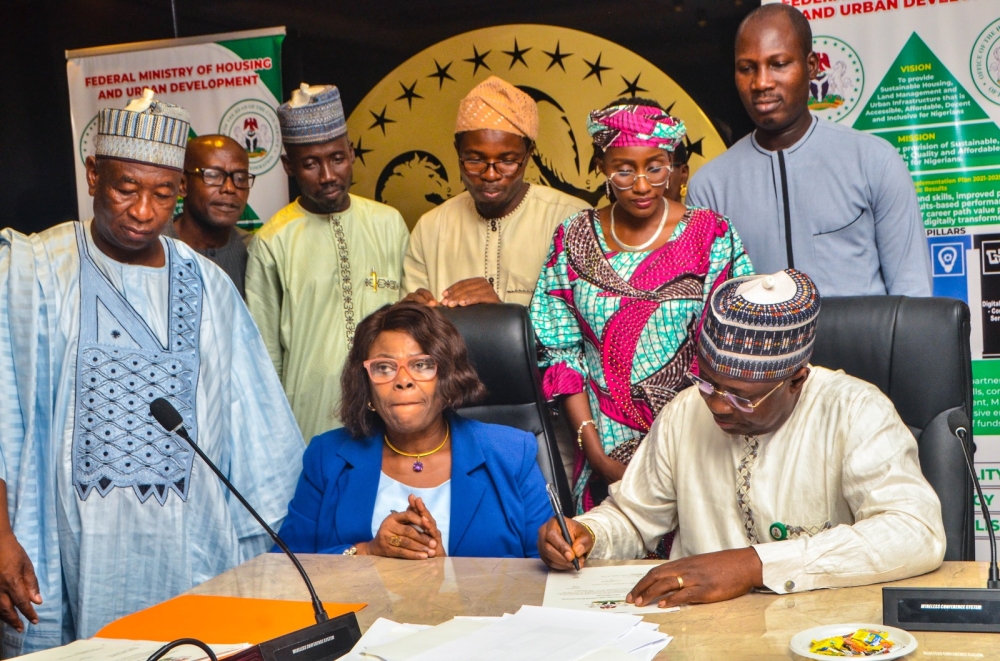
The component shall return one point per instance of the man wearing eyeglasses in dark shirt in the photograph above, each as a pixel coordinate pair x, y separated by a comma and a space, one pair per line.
215, 188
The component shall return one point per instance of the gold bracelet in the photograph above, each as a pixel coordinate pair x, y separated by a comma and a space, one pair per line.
593, 537
579, 432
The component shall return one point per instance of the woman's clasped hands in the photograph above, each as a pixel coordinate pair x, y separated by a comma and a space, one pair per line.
412, 534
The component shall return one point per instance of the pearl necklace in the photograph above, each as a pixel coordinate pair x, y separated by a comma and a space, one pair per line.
629, 248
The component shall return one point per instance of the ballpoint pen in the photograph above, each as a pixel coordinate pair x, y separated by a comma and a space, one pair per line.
554, 501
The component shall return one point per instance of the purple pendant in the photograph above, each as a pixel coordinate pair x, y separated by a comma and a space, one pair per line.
418, 466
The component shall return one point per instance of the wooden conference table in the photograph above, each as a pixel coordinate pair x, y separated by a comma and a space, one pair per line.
755, 626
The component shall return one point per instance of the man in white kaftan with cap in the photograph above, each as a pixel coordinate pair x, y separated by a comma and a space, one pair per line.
109, 511
774, 473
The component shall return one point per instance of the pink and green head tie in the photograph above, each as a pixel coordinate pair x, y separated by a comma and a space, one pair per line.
635, 126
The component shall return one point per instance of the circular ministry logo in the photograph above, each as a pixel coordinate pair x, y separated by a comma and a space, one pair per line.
87, 138
985, 62
254, 125
404, 129
836, 90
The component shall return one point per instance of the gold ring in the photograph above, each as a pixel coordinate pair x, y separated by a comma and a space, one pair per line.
680, 582
395, 540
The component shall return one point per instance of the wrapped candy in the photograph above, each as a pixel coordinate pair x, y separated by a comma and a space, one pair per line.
863, 642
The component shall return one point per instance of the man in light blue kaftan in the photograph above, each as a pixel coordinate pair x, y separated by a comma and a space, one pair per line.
114, 513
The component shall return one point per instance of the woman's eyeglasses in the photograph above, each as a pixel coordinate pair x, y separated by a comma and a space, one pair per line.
384, 370
739, 403
654, 176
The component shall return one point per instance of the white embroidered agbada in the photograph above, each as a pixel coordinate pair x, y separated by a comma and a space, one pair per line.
842, 475
115, 514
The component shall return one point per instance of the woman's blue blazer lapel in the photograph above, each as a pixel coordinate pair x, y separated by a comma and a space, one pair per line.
358, 487
469, 480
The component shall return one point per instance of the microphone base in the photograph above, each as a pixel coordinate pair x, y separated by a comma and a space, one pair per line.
320, 642
942, 609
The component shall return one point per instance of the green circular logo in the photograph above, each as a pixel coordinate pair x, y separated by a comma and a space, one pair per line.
87, 147
984, 63
254, 125
837, 88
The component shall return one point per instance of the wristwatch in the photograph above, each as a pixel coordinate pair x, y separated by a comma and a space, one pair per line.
351, 551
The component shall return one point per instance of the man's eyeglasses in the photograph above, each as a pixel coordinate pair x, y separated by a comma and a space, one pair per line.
384, 370
478, 167
739, 403
217, 177
654, 176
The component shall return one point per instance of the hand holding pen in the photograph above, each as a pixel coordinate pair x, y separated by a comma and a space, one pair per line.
562, 542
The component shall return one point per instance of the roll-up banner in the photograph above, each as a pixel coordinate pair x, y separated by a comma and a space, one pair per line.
229, 83
925, 76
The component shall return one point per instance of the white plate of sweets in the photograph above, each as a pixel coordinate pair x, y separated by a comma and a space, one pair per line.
853, 641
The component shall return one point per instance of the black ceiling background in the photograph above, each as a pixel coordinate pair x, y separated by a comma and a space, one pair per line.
353, 45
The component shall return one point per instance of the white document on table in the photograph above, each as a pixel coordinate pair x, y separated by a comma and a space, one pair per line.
380, 632
607, 654
598, 589
430, 638
535, 633
107, 649
641, 643
638, 639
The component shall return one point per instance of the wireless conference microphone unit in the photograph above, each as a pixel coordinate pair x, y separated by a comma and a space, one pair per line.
950, 609
327, 639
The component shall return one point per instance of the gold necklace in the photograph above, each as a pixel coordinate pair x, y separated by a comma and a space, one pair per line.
419, 465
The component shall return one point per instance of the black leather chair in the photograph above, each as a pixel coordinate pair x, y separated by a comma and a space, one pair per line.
501, 346
916, 350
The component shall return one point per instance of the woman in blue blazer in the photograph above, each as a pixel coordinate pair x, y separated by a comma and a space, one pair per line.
407, 477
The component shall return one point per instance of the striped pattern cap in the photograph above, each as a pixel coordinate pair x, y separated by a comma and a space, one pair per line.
313, 116
761, 327
146, 131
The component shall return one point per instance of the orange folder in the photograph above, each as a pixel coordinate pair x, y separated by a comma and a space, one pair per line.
219, 619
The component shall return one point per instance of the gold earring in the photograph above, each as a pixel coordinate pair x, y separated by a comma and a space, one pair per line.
607, 188
684, 190
370, 407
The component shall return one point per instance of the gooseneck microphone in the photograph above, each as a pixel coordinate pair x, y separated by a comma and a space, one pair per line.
950, 609
958, 424
171, 420
327, 639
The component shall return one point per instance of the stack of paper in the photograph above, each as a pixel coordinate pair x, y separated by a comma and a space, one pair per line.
535, 633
